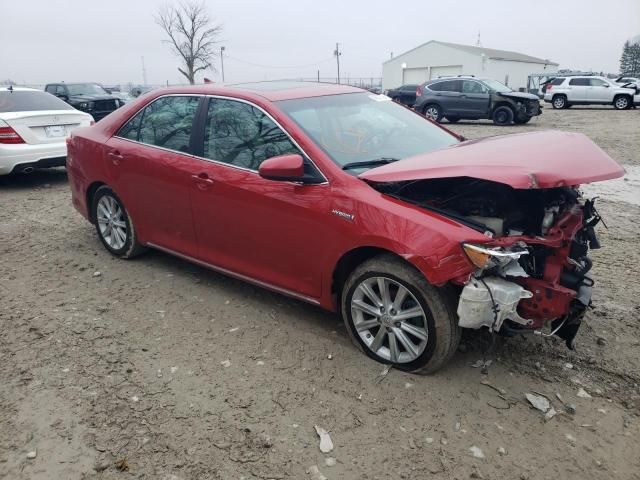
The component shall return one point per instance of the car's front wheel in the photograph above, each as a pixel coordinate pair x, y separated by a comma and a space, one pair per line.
503, 116
394, 316
622, 102
114, 225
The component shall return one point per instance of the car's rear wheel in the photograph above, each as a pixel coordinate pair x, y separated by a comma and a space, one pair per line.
559, 102
394, 316
433, 112
621, 102
114, 225
503, 116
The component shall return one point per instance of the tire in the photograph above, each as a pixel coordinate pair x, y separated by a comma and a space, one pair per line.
453, 119
433, 112
622, 102
503, 116
114, 225
522, 120
437, 306
559, 102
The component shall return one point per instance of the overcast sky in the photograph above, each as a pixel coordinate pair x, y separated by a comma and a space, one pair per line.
52, 40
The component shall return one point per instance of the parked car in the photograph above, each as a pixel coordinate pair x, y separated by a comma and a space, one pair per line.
627, 80
456, 98
350, 201
564, 92
406, 94
91, 98
376, 90
33, 127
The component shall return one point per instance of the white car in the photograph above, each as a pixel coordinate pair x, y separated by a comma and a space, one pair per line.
563, 92
34, 126
626, 80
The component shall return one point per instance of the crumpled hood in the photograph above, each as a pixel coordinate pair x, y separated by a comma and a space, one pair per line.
520, 95
527, 160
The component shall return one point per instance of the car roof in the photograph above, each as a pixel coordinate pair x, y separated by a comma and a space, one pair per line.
19, 89
271, 91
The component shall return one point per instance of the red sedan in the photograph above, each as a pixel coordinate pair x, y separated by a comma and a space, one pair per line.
344, 199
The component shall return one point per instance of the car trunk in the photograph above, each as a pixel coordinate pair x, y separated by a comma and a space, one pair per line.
42, 127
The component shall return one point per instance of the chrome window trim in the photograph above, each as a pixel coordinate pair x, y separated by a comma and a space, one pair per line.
217, 162
231, 273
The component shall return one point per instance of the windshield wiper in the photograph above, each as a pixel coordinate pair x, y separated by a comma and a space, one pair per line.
369, 163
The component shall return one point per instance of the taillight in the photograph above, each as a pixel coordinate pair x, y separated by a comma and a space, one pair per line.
419, 91
549, 86
8, 134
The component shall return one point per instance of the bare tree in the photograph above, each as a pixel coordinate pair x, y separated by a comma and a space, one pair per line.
192, 36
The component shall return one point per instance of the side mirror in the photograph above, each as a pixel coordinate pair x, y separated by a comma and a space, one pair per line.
283, 168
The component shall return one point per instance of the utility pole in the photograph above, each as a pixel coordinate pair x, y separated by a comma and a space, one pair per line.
337, 53
222, 62
144, 72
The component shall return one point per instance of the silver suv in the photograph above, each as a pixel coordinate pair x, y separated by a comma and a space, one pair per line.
563, 92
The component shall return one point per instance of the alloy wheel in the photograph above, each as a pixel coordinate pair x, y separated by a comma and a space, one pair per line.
389, 319
111, 222
432, 113
622, 103
558, 102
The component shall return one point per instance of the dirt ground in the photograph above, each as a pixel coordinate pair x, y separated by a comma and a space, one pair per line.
155, 368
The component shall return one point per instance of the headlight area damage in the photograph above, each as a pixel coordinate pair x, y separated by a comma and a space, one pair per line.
532, 273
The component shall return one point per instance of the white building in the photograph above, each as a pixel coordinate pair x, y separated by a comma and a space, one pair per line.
436, 59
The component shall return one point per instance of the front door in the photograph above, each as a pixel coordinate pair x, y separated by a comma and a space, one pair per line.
599, 91
149, 162
474, 101
270, 231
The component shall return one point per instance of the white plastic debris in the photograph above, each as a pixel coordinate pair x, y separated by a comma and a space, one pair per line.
225, 363
135, 398
32, 454
429, 440
329, 357
408, 385
326, 445
315, 473
259, 362
234, 329
476, 452
538, 402
97, 274
582, 393
550, 414
568, 366
502, 451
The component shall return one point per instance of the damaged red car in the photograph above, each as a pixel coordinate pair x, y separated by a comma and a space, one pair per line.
344, 199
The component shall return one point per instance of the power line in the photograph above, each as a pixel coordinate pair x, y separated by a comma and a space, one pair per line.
278, 66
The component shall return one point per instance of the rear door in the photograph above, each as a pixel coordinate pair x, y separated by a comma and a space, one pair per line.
150, 163
271, 231
447, 93
599, 91
577, 91
474, 101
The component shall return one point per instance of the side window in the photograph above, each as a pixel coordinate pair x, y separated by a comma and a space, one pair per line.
596, 82
60, 90
579, 82
557, 81
50, 89
131, 129
469, 86
167, 122
240, 134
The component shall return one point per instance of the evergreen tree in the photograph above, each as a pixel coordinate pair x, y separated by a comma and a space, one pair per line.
630, 60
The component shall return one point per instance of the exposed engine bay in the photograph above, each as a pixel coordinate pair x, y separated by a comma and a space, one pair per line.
533, 271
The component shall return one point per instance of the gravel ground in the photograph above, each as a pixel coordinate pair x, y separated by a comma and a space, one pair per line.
156, 368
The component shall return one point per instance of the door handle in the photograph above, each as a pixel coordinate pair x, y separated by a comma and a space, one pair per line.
202, 178
116, 157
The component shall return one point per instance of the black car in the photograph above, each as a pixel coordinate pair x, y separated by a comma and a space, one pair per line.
471, 98
87, 97
406, 94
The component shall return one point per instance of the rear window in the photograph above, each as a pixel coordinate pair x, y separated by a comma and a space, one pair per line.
557, 81
579, 82
27, 101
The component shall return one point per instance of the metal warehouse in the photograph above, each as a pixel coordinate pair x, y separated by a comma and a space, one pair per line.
437, 59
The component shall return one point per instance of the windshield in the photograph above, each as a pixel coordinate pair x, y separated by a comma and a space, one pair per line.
30, 101
86, 89
361, 127
497, 86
